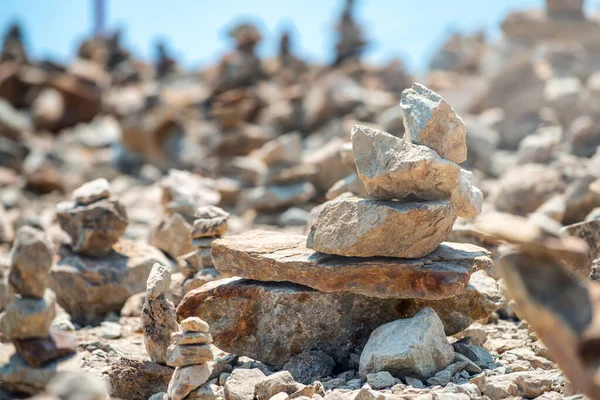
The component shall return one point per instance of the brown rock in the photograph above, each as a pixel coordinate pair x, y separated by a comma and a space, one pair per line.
26, 317
356, 227
38, 352
187, 379
191, 338
130, 378
173, 235
240, 313
272, 256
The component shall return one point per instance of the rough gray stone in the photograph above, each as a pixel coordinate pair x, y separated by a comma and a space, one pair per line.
31, 258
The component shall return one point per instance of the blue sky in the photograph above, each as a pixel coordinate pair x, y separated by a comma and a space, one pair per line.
194, 29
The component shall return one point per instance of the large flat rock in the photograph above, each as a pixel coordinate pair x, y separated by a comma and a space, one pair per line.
356, 227
273, 256
271, 322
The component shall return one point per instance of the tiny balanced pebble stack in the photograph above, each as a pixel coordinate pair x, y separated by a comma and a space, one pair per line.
190, 354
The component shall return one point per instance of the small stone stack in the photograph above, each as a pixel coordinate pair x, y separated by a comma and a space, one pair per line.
99, 270
366, 262
190, 355
93, 220
27, 319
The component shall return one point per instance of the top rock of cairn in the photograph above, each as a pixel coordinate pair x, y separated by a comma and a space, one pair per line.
417, 191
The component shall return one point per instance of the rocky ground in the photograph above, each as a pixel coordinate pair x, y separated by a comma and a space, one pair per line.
273, 229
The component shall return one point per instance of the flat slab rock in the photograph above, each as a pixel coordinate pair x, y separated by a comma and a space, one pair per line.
89, 288
272, 322
357, 227
273, 256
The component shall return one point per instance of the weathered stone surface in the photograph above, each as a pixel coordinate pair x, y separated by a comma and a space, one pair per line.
28, 318
158, 315
194, 324
286, 149
82, 283
173, 235
242, 382
272, 256
240, 313
429, 120
381, 380
351, 183
98, 189
310, 366
328, 163
137, 379
191, 338
38, 352
190, 354
415, 347
208, 391
210, 221
93, 228
31, 258
280, 382
357, 227
17, 376
392, 168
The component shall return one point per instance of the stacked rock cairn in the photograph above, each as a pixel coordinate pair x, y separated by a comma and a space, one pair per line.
383, 254
27, 319
190, 355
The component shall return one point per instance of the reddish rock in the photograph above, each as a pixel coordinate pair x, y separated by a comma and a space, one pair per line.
38, 352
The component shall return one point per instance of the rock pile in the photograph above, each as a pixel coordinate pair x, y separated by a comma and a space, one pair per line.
384, 255
98, 260
189, 355
41, 351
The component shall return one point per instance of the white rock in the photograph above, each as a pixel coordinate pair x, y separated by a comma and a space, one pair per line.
92, 191
415, 347
186, 379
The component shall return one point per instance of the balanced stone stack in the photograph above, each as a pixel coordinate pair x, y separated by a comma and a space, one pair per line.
98, 260
365, 262
27, 319
190, 355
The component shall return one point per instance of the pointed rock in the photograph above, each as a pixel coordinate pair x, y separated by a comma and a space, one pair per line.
272, 256
430, 121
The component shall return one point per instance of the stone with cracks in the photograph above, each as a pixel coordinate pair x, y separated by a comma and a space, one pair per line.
210, 221
190, 354
93, 228
415, 347
272, 256
357, 227
90, 288
243, 321
31, 258
158, 314
28, 318
98, 189
429, 120
191, 338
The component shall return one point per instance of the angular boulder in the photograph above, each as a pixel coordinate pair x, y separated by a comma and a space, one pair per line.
272, 322
415, 347
356, 227
31, 258
273, 256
